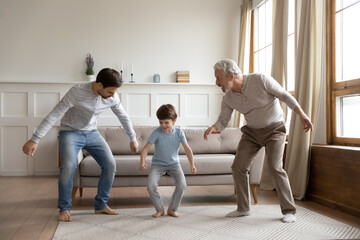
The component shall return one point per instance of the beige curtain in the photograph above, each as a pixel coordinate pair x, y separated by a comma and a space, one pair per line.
310, 60
279, 44
244, 44
278, 67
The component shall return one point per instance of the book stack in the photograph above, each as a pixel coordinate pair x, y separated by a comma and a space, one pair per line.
183, 76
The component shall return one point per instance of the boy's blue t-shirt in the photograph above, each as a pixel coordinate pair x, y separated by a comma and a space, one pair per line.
166, 146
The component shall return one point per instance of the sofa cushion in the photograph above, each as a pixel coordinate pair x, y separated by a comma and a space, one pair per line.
119, 141
208, 164
141, 181
128, 165
225, 142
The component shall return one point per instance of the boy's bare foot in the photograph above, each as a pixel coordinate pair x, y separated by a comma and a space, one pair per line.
65, 216
106, 210
159, 214
172, 213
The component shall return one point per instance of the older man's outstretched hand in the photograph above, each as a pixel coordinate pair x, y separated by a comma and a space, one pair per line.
211, 130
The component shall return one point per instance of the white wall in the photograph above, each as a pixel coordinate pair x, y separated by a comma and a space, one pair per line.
44, 40
24, 105
47, 41
44, 43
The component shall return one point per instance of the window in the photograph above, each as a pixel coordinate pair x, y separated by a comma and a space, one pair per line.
343, 74
262, 52
290, 86
263, 38
291, 48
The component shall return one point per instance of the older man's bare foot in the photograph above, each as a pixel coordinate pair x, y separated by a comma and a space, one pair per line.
106, 210
172, 213
159, 214
65, 216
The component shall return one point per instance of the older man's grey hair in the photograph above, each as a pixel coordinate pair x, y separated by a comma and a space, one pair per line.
228, 66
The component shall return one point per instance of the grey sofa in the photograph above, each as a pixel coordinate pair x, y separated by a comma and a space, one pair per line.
213, 160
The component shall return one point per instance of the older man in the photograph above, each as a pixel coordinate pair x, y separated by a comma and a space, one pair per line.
257, 97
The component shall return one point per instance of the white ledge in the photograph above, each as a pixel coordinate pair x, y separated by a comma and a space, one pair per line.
170, 84
125, 83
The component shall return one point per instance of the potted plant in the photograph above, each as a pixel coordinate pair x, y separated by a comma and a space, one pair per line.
89, 70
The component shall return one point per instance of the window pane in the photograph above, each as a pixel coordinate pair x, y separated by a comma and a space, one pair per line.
256, 30
263, 38
339, 51
291, 63
268, 23
347, 116
340, 4
288, 120
261, 26
268, 53
291, 17
256, 62
347, 44
262, 60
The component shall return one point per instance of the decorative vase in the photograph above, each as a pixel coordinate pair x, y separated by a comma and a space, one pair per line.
90, 78
156, 78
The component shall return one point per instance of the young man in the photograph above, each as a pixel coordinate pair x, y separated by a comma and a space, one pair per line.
257, 97
79, 109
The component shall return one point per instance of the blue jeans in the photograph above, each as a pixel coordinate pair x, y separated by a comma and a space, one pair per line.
177, 174
70, 143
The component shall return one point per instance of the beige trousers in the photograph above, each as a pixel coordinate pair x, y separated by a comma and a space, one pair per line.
273, 138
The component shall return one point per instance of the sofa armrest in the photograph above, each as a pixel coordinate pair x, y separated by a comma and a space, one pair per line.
257, 167
80, 157
76, 179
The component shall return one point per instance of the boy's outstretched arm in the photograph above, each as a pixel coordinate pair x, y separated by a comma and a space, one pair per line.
190, 156
143, 155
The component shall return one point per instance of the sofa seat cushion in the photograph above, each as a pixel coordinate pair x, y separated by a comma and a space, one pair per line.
208, 164
225, 142
128, 165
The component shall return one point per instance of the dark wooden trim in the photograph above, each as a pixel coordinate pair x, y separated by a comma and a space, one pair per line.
252, 44
347, 84
330, 70
333, 205
334, 177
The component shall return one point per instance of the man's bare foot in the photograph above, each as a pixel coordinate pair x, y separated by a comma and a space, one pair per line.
159, 214
172, 213
106, 210
65, 216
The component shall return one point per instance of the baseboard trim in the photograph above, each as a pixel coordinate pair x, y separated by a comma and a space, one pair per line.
332, 204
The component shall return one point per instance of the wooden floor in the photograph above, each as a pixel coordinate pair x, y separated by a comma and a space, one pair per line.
28, 205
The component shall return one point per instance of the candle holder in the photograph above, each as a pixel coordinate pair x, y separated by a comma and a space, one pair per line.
132, 78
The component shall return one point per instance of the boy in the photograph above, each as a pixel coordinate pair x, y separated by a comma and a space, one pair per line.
167, 141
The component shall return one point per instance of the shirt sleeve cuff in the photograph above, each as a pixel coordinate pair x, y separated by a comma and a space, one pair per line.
219, 126
133, 138
35, 139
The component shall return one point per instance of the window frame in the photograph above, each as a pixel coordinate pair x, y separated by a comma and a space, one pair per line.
335, 89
